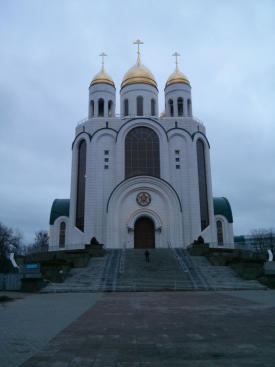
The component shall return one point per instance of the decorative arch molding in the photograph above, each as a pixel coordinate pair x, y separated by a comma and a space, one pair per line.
109, 129
77, 136
200, 135
144, 213
180, 128
151, 180
146, 119
104, 132
177, 131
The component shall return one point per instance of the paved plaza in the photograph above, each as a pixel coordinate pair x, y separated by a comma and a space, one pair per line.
229, 328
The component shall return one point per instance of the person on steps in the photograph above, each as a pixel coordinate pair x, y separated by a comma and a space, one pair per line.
147, 256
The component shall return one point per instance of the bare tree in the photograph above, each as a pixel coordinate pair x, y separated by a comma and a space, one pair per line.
41, 242
10, 240
262, 239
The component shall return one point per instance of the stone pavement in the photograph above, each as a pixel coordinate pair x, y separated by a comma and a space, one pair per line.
32, 320
168, 329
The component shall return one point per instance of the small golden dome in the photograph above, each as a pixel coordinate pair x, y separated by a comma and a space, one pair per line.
139, 74
162, 115
102, 77
177, 77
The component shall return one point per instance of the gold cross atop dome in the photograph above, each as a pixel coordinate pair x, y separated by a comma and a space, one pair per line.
102, 62
102, 76
138, 43
176, 54
177, 76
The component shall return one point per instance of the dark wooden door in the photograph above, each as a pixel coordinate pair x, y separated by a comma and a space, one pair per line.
144, 233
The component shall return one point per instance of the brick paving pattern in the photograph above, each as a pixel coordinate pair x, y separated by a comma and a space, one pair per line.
168, 329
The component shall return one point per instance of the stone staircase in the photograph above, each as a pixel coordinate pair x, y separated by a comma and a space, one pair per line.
168, 269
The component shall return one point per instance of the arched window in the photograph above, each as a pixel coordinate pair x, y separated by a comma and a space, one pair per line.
139, 106
202, 184
189, 107
153, 107
126, 107
101, 107
219, 232
62, 232
180, 106
110, 107
92, 109
81, 183
171, 107
142, 153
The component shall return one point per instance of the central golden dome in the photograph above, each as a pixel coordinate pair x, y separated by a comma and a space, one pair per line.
139, 74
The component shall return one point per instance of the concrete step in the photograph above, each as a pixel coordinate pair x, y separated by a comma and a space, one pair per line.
127, 270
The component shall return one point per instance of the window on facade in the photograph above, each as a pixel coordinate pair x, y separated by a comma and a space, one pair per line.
106, 166
189, 107
180, 106
153, 107
202, 185
171, 107
177, 152
177, 159
139, 106
101, 107
142, 153
92, 108
126, 107
219, 232
106, 152
110, 107
62, 232
80, 193
106, 159
177, 166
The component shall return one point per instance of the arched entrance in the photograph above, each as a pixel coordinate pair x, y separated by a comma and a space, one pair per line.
144, 233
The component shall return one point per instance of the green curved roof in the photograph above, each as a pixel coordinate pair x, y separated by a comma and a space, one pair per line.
222, 207
60, 207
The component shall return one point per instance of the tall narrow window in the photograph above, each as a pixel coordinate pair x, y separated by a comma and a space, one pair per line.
126, 107
202, 185
92, 109
139, 106
189, 107
153, 107
180, 106
62, 232
101, 107
81, 183
110, 107
142, 153
219, 232
171, 107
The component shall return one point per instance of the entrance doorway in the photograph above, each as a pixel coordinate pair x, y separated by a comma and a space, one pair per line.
144, 235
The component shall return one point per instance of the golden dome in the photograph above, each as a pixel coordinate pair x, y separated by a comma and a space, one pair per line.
162, 115
102, 77
177, 77
139, 74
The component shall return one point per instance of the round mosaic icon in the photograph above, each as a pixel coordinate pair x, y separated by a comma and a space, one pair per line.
143, 199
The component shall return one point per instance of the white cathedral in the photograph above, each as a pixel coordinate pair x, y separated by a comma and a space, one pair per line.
140, 179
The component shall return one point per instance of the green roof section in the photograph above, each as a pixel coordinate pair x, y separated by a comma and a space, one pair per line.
60, 207
222, 207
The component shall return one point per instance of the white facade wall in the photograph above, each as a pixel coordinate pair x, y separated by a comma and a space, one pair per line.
110, 201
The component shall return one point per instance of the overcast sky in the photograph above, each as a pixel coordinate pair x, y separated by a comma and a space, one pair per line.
49, 54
